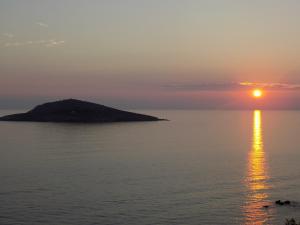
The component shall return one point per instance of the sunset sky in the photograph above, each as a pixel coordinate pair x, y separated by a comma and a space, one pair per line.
151, 53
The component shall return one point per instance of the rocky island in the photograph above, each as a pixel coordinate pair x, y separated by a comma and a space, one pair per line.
77, 111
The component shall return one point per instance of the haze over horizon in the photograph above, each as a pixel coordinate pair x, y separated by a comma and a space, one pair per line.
150, 54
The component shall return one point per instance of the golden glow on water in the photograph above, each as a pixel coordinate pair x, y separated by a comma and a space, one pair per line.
256, 181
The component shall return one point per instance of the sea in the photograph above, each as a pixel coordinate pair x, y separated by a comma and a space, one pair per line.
200, 167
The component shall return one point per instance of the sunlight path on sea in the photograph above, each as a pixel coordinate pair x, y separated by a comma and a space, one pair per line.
257, 177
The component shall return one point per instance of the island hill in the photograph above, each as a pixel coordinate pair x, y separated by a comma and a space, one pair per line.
77, 111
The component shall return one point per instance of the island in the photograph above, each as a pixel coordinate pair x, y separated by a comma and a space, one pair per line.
77, 111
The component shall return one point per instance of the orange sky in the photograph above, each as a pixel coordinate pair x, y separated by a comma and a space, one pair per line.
140, 53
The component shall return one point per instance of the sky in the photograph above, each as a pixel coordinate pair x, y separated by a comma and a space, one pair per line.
150, 53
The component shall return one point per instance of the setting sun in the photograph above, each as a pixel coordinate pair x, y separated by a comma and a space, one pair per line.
257, 93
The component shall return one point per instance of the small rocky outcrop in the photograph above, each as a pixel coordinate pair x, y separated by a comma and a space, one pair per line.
279, 202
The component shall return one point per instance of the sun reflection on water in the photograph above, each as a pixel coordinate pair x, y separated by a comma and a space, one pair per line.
256, 180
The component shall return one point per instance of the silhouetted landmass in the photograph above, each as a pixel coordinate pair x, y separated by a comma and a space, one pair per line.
72, 111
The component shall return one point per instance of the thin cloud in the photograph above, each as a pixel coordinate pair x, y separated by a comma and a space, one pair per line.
272, 86
41, 24
230, 86
204, 86
45, 43
13, 44
54, 43
8, 35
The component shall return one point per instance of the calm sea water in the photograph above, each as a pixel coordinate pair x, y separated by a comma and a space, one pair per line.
202, 167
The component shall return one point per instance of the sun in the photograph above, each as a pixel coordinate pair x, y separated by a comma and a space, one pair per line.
257, 93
